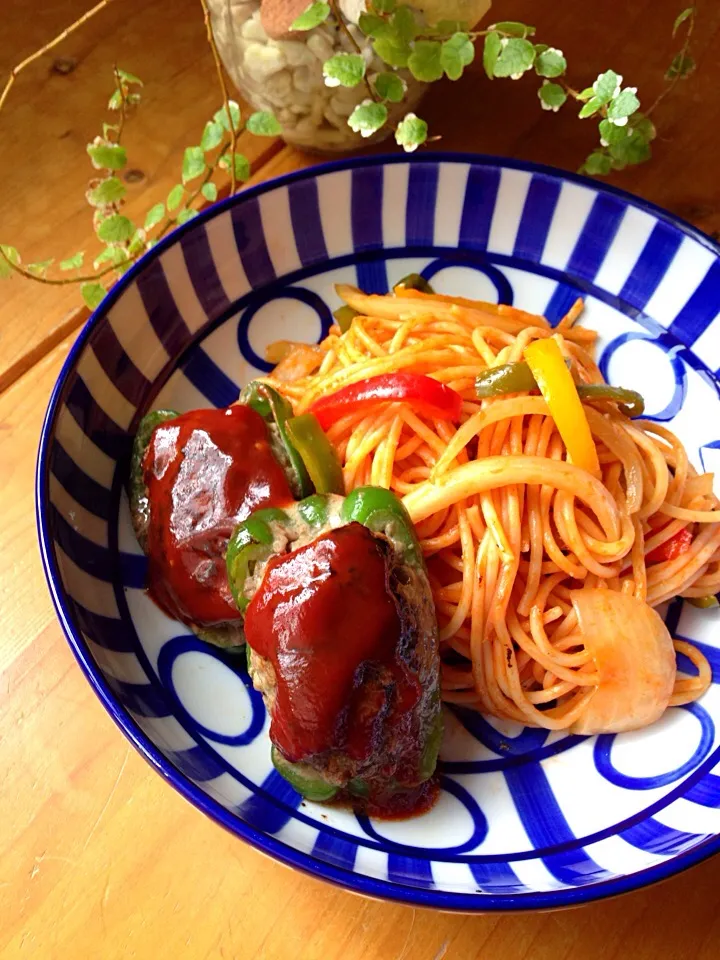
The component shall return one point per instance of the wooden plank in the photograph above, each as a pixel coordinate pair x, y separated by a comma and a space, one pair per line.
47, 122
499, 117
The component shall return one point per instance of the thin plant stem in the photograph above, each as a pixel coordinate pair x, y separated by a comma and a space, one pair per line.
223, 86
49, 46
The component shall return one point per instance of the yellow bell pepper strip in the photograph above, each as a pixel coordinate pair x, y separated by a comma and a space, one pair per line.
558, 388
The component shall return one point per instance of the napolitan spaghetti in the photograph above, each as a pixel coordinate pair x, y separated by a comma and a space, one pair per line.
536, 563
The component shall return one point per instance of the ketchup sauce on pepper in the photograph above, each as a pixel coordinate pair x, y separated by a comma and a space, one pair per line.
205, 471
326, 619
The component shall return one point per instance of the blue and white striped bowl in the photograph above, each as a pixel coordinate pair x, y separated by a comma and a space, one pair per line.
526, 818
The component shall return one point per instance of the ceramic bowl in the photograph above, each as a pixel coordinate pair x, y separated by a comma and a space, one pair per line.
526, 818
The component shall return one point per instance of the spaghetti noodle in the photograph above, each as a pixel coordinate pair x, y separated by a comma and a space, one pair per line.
512, 530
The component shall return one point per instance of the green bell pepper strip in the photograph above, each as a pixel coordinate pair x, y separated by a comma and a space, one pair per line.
276, 410
414, 281
310, 787
703, 602
381, 512
507, 378
321, 462
518, 378
344, 316
137, 493
630, 402
250, 543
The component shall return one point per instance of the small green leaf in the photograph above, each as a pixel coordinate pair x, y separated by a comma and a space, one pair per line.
209, 191
552, 96
315, 14
11, 254
446, 28
263, 124
392, 53
154, 215
107, 191
221, 116
456, 54
107, 156
384, 6
587, 94
403, 24
39, 269
424, 62
411, 132
590, 108
682, 66
212, 135
514, 29
389, 86
137, 244
606, 87
112, 254
186, 215
624, 105
109, 128
550, 63
516, 56
644, 126
74, 262
611, 132
193, 163
597, 164
175, 197
242, 165
115, 101
344, 69
368, 117
116, 229
373, 26
130, 77
92, 294
682, 17
633, 148
491, 52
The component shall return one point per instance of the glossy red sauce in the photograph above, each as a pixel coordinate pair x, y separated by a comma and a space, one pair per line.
204, 471
325, 617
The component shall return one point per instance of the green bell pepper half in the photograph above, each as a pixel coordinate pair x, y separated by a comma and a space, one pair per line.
139, 506
250, 543
381, 512
310, 787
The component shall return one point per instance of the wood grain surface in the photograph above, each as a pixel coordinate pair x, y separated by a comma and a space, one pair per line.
99, 858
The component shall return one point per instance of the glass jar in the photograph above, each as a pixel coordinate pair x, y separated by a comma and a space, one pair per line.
285, 75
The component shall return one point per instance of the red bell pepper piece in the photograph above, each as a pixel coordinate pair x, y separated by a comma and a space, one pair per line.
672, 548
428, 396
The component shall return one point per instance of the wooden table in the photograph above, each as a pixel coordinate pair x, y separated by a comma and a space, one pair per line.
98, 857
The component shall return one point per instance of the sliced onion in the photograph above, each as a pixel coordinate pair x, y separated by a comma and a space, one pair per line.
634, 657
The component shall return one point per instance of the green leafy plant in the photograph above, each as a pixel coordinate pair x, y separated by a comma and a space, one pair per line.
214, 162
408, 47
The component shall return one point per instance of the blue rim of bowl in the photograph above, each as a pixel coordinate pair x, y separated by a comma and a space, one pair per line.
355, 882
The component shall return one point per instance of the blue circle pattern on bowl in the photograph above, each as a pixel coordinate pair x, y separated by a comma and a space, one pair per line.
527, 817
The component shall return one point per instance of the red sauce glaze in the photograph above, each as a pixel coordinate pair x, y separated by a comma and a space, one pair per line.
205, 471
325, 617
